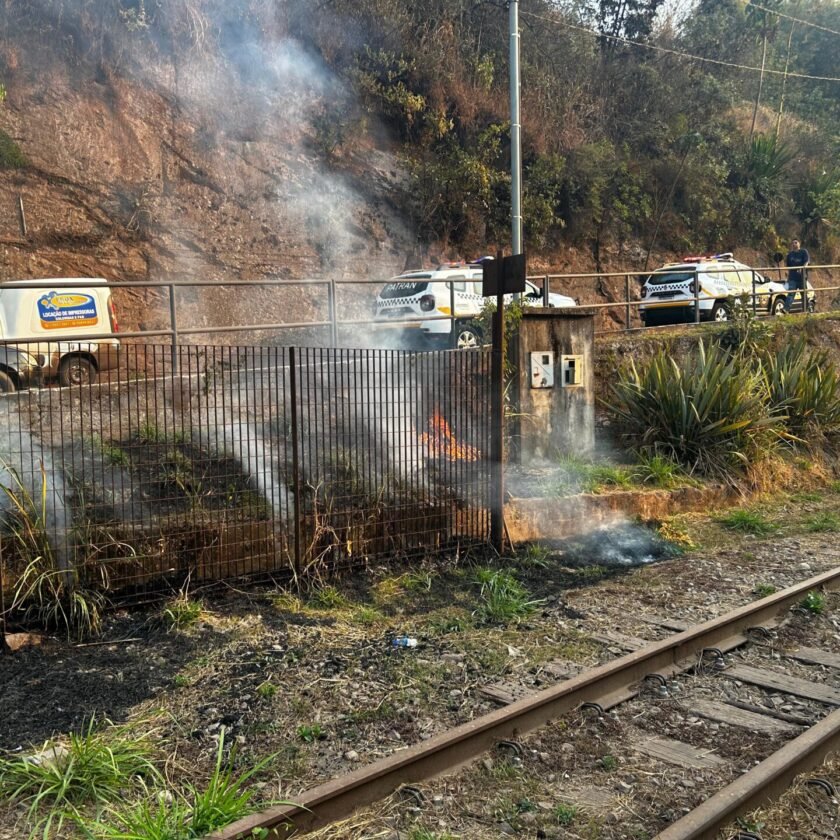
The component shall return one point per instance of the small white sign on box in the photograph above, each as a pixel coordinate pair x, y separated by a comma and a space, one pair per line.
542, 369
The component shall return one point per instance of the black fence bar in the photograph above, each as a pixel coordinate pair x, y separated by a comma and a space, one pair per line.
206, 463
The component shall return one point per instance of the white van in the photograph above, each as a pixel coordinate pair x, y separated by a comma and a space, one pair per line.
430, 293
44, 316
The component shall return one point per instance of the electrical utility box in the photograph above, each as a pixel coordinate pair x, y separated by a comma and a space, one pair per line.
553, 395
542, 369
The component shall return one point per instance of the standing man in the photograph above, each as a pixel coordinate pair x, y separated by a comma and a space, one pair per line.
796, 261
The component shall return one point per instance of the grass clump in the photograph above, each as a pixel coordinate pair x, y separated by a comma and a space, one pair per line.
565, 814
193, 814
181, 612
822, 523
311, 732
267, 690
504, 599
708, 415
534, 556
764, 590
49, 591
814, 602
93, 768
658, 470
608, 763
748, 522
327, 598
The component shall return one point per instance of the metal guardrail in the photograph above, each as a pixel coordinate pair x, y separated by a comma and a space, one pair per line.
629, 303
333, 322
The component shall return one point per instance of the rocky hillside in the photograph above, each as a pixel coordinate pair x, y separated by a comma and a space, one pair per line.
154, 161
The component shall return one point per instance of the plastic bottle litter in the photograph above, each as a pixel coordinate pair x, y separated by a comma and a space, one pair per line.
404, 642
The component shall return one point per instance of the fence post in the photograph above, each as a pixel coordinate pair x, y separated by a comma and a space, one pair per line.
173, 326
497, 425
696, 297
453, 332
754, 308
333, 312
295, 461
627, 298
546, 292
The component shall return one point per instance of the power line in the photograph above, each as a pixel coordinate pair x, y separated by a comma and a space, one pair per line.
685, 55
795, 20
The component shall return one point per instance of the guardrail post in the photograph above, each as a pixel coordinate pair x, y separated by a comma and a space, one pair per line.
453, 332
173, 327
696, 297
627, 298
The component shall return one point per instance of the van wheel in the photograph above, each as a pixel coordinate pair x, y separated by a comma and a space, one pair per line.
75, 370
719, 313
7, 384
812, 305
778, 306
468, 337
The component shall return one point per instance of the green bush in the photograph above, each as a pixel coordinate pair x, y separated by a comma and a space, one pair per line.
803, 388
710, 416
11, 156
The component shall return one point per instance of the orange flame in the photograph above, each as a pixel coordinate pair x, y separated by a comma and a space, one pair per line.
441, 443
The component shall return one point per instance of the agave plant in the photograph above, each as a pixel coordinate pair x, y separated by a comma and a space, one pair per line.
804, 388
709, 416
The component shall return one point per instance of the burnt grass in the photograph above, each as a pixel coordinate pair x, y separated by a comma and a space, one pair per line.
111, 678
313, 680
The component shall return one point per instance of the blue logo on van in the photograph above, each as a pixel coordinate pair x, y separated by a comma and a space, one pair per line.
67, 309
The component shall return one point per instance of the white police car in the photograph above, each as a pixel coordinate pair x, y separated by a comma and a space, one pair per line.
668, 294
424, 300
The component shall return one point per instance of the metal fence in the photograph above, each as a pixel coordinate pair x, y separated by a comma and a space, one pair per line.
216, 462
615, 297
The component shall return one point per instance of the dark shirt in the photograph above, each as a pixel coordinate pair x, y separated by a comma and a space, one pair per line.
794, 259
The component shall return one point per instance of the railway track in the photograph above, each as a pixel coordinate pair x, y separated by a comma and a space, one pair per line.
652, 666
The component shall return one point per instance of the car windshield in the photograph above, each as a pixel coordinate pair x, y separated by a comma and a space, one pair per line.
403, 288
670, 277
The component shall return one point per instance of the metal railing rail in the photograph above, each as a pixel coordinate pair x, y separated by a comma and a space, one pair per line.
332, 319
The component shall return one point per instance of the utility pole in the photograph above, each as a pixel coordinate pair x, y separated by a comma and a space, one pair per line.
760, 85
515, 136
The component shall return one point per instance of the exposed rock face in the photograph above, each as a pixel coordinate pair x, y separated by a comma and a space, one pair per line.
156, 159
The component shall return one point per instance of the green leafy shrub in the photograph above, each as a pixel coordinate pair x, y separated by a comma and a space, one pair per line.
11, 155
814, 602
803, 388
709, 415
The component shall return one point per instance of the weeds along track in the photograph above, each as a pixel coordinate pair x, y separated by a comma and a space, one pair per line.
707, 664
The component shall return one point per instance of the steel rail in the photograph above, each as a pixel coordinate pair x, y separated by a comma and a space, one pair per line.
606, 686
764, 782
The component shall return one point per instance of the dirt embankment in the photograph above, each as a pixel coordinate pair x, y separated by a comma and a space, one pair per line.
153, 164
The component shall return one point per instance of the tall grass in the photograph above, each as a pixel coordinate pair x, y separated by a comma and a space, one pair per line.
94, 767
709, 415
44, 592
